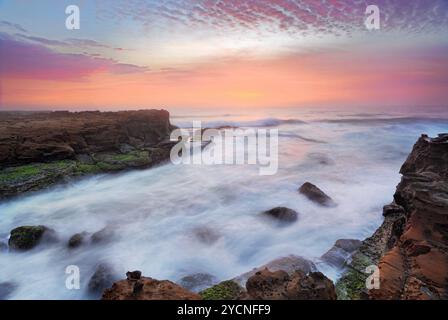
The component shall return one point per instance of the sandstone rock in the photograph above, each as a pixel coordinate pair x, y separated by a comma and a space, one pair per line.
316, 195
40, 149
27, 237
289, 264
282, 214
147, 289
341, 252
410, 246
278, 285
103, 277
198, 281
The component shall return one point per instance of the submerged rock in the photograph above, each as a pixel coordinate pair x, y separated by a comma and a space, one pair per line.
282, 214
206, 235
341, 252
289, 264
225, 290
3, 247
27, 237
316, 195
279, 285
145, 288
103, 278
77, 240
104, 235
198, 281
6, 288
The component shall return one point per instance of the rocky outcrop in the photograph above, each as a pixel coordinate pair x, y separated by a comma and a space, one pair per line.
410, 248
27, 237
40, 149
282, 215
289, 264
279, 285
316, 195
136, 287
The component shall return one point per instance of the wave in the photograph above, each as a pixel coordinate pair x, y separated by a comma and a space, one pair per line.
260, 123
397, 120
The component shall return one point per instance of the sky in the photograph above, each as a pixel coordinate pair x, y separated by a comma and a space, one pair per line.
222, 54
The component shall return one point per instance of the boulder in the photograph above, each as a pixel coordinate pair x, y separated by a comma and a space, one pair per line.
279, 285
341, 252
289, 264
316, 195
282, 214
198, 281
27, 237
143, 288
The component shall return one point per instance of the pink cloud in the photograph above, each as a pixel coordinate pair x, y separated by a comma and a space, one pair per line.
35, 61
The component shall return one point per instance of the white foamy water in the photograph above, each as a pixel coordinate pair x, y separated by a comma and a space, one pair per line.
353, 157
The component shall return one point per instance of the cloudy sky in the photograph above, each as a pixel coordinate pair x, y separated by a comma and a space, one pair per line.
222, 53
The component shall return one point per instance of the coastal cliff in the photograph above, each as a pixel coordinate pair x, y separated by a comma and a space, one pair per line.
410, 248
40, 149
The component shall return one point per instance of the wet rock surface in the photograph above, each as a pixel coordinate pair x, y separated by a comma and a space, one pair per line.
143, 288
341, 251
282, 215
27, 237
103, 277
411, 246
289, 264
316, 195
77, 240
279, 285
198, 281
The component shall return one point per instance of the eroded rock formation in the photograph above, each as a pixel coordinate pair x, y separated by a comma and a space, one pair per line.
411, 246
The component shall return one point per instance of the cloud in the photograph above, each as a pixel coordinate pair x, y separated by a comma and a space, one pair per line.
294, 16
22, 59
13, 26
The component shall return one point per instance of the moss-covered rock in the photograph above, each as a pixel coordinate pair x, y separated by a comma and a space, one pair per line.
226, 290
27, 237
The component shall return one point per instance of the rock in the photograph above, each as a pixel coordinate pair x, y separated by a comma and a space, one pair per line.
133, 275
316, 195
103, 277
147, 289
279, 285
225, 290
206, 235
3, 247
77, 240
289, 264
40, 149
6, 288
410, 246
104, 235
198, 281
282, 214
27, 237
341, 252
